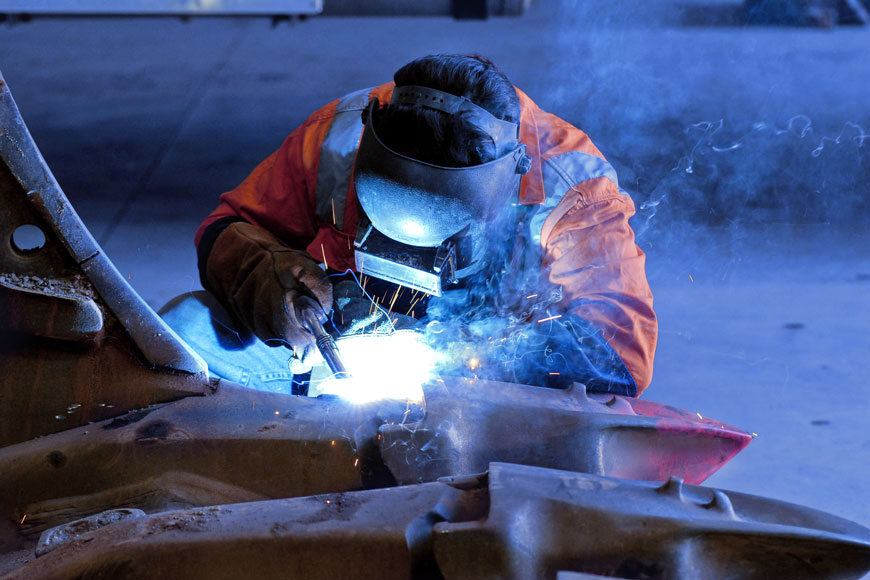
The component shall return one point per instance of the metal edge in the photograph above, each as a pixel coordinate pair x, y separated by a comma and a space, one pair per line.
158, 343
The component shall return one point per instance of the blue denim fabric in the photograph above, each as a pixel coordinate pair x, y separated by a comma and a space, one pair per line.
231, 350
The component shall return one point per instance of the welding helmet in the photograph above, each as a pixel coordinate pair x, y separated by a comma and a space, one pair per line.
425, 226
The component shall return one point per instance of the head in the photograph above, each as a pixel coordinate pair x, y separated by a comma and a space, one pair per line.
436, 170
439, 138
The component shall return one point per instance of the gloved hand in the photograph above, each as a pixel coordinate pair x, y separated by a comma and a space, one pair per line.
259, 278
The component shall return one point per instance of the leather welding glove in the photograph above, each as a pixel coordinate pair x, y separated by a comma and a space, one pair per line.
259, 278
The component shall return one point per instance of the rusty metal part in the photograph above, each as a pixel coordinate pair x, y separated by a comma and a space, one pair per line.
67, 289
40, 199
237, 445
62, 535
244, 445
540, 522
514, 522
49, 309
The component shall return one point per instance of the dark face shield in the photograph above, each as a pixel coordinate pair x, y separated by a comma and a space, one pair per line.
428, 225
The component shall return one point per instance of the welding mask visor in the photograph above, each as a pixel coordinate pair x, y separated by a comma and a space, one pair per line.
423, 206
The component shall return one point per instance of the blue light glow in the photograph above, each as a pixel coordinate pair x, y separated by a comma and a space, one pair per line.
382, 366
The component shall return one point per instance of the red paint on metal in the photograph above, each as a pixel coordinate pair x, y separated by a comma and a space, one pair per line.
692, 447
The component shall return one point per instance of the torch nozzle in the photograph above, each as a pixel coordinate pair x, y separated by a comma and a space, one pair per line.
311, 315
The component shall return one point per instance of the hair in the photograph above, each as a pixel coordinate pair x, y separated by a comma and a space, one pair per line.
439, 138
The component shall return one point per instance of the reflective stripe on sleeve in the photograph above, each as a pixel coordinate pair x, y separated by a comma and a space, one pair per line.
336, 157
559, 175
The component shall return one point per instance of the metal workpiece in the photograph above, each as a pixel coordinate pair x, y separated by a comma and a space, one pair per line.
512, 522
79, 344
66, 533
470, 423
48, 308
542, 521
330, 536
242, 444
40, 202
237, 445
49, 386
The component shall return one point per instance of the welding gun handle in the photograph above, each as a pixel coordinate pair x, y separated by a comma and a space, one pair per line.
333, 359
310, 315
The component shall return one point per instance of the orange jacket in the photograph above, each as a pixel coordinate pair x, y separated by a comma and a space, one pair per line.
304, 194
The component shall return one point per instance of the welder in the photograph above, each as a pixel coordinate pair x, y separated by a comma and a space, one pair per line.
445, 195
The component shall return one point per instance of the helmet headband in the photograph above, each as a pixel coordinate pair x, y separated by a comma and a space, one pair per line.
503, 133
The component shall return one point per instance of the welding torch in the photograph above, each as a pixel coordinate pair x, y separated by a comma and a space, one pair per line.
311, 316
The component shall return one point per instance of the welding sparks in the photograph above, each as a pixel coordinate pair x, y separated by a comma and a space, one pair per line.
414, 301
692, 279
531, 296
322, 251
394, 298
550, 318
473, 363
22, 519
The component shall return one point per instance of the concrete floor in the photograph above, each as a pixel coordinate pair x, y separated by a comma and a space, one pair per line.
763, 312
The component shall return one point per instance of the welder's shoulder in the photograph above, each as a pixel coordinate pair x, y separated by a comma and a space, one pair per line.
553, 135
572, 168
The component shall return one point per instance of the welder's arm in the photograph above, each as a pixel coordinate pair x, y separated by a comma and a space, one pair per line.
259, 278
589, 250
279, 194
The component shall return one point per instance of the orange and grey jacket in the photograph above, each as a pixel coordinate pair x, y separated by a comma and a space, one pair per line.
576, 218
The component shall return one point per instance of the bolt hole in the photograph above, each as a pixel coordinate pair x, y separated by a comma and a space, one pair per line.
27, 239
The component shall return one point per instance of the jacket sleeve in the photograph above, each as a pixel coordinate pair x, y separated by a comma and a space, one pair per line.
278, 195
589, 250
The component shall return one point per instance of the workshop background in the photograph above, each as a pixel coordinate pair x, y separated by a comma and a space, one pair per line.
739, 129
